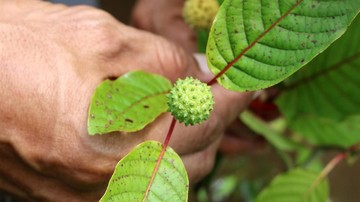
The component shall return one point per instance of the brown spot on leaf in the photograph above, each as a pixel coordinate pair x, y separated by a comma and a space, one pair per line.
146, 106
129, 120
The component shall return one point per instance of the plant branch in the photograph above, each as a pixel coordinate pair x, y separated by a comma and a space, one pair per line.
333, 163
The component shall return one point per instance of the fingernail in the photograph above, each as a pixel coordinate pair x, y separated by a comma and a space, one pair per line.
201, 60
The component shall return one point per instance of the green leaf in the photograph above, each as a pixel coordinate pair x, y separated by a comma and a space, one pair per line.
273, 137
128, 104
220, 1
328, 132
266, 41
295, 186
202, 38
321, 101
133, 173
223, 188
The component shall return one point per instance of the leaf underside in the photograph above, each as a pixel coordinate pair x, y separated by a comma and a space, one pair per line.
321, 101
295, 186
275, 44
133, 173
128, 103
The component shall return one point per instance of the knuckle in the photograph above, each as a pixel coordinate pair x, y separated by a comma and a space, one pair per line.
198, 171
75, 170
203, 168
93, 30
170, 55
106, 39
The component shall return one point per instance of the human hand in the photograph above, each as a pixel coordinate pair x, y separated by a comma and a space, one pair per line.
164, 17
52, 58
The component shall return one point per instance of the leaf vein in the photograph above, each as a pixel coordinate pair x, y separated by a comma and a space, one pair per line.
307, 32
229, 65
141, 100
336, 66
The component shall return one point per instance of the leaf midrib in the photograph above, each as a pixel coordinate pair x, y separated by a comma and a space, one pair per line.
237, 58
141, 100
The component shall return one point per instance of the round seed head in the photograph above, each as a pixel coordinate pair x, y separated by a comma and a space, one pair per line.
190, 101
199, 14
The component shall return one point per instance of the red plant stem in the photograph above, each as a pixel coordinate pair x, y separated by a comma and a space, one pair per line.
165, 144
227, 67
171, 129
338, 158
333, 163
328, 168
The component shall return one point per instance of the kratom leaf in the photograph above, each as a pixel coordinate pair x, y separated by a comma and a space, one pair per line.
128, 104
295, 186
133, 173
224, 187
328, 132
266, 41
273, 137
321, 101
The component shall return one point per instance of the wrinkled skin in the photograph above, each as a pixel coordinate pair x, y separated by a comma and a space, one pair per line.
52, 58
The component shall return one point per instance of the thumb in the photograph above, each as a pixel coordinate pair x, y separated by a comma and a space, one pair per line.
141, 50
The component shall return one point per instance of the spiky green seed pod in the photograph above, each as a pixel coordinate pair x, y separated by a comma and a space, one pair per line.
199, 14
190, 101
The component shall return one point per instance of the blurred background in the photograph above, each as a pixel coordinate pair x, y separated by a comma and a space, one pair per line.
119, 9
239, 178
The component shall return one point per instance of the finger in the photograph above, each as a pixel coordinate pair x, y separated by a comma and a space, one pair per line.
229, 104
142, 14
35, 186
239, 139
227, 107
180, 33
200, 164
190, 139
140, 50
165, 19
